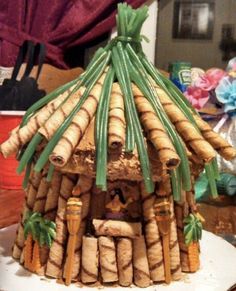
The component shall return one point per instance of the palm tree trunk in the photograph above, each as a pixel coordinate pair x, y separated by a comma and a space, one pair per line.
28, 251
36, 258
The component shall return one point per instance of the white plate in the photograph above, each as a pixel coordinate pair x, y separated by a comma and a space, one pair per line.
217, 273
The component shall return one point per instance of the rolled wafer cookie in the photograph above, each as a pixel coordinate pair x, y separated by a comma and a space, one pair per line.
89, 270
107, 259
140, 263
124, 261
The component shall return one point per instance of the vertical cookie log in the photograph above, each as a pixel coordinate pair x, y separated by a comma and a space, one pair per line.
107, 258
85, 185
190, 197
180, 215
56, 254
153, 240
164, 191
89, 270
52, 197
124, 261
174, 247
31, 193
140, 263
41, 196
50, 211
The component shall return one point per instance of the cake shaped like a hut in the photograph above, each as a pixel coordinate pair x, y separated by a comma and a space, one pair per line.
110, 161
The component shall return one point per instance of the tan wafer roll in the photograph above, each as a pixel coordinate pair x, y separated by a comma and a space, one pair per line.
107, 259
41, 196
190, 197
116, 126
179, 211
174, 248
31, 193
140, 263
58, 117
153, 240
89, 270
185, 128
155, 130
124, 261
72, 136
218, 143
22, 135
117, 228
67, 185
50, 210
57, 249
52, 197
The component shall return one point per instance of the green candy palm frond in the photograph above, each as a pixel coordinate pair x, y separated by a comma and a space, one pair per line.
42, 230
192, 229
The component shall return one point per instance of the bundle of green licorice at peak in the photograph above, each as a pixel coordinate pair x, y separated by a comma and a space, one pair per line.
132, 103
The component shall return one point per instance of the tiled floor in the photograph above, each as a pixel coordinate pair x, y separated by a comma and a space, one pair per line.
10, 206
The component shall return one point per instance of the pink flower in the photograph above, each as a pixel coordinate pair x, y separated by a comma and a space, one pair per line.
210, 80
196, 96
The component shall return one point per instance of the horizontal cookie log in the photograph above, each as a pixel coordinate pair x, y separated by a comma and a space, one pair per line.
117, 228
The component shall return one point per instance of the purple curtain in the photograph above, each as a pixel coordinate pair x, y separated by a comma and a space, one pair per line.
60, 24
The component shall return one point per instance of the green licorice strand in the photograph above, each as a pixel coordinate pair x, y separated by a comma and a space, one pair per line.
29, 152
27, 174
211, 179
146, 89
176, 184
141, 147
215, 169
50, 172
97, 55
121, 17
101, 124
165, 82
137, 60
93, 69
130, 143
83, 78
56, 137
99, 113
101, 139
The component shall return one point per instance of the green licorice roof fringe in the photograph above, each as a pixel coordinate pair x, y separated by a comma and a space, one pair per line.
127, 63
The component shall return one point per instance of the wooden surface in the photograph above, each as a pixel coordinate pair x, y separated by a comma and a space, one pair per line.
52, 77
11, 202
220, 216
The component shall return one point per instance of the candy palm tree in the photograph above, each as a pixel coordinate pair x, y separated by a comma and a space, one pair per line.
38, 232
193, 233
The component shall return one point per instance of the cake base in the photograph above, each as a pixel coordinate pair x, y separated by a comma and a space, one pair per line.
217, 272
